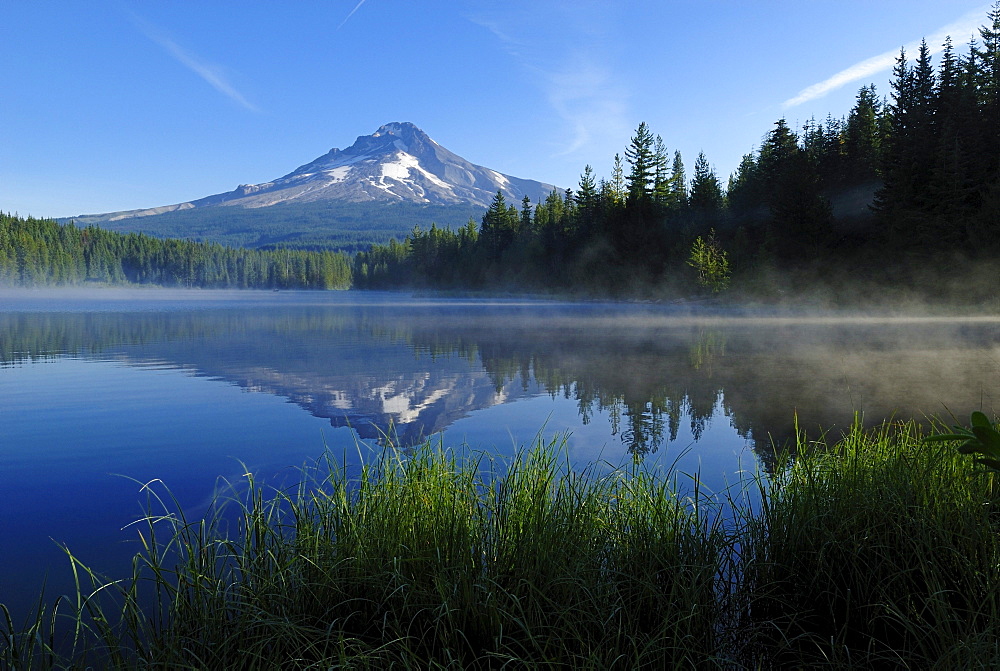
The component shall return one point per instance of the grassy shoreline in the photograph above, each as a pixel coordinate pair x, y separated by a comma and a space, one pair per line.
872, 550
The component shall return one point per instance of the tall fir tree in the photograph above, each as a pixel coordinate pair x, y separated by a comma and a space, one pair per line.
588, 198
678, 183
892, 197
641, 158
706, 191
661, 179
744, 190
862, 136
527, 217
988, 85
499, 226
617, 183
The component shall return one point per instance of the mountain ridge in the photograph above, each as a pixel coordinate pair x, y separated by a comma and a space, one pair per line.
398, 163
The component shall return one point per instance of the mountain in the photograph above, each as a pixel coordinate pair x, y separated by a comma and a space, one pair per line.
397, 173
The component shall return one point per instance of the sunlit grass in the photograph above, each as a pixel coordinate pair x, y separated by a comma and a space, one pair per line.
874, 550
426, 558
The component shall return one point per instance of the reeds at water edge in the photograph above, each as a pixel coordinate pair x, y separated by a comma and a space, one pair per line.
870, 550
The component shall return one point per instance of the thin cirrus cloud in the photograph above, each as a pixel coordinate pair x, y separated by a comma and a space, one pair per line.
356, 8
209, 72
967, 25
583, 92
588, 99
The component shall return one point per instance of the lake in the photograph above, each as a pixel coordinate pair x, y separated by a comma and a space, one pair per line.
105, 390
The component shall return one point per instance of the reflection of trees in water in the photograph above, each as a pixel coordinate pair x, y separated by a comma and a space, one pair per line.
33, 335
644, 428
648, 378
645, 392
645, 386
646, 424
709, 345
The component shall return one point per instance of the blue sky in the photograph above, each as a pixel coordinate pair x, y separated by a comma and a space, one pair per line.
119, 105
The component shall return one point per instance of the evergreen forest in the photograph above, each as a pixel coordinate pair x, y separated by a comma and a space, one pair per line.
36, 252
337, 226
904, 190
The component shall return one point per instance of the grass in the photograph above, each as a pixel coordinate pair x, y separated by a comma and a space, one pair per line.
877, 550
873, 550
424, 560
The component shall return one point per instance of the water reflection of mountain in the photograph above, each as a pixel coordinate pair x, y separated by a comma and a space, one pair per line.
352, 368
421, 368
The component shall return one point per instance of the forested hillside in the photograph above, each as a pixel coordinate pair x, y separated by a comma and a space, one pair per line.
337, 226
900, 185
42, 252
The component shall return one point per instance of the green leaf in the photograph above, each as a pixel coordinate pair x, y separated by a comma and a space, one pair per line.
980, 419
988, 437
972, 447
991, 463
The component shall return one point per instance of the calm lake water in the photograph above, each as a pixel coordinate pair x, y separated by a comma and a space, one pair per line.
103, 391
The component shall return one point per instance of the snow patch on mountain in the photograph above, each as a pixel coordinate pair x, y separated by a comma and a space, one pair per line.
400, 169
501, 178
338, 174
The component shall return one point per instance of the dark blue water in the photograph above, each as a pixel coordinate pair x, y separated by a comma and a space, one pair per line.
102, 392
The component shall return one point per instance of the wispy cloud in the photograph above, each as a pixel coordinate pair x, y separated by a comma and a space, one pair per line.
587, 97
582, 91
960, 30
210, 72
356, 8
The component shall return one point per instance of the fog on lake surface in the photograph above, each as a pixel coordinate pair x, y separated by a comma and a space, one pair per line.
187, 387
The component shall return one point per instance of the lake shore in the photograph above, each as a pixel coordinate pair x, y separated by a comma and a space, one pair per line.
875, 549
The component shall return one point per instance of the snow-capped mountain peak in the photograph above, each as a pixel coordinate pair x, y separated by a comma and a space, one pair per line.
397, 163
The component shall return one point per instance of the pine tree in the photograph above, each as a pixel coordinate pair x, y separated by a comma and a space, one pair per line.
949, 77
951, 182
678, 183
706, 191
780, 145
499, 226
744, 190
988, 85
617, 184
862, 136
570, 210
895, 191
989, 57
587, 198
790, 184
907, 194
642, 161
526, 216
661, 178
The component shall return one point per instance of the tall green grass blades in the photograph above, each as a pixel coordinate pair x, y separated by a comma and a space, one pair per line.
33, 645
427, 558
880, 548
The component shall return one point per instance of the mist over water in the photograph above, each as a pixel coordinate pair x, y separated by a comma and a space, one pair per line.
187, 386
